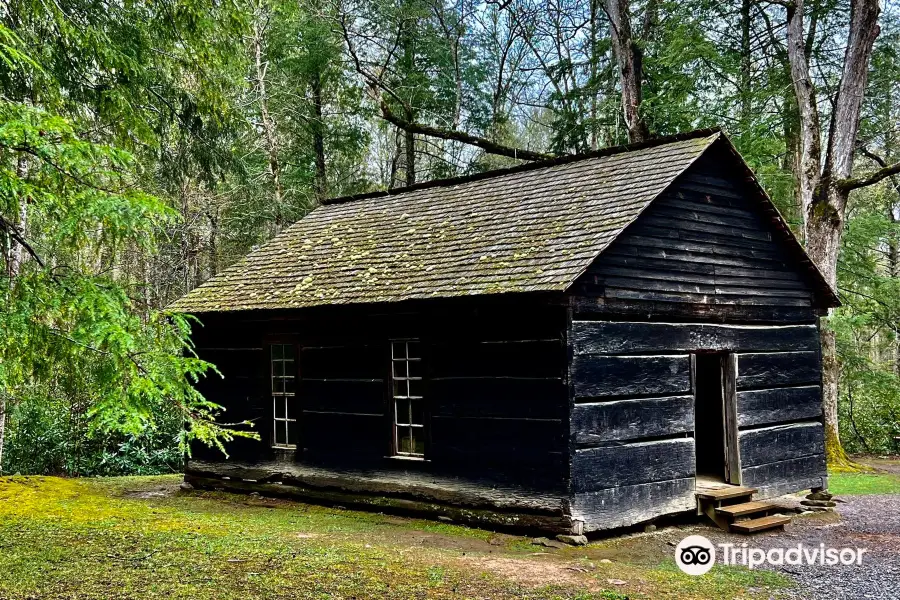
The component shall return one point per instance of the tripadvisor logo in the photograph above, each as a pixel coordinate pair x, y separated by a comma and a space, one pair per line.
696, 555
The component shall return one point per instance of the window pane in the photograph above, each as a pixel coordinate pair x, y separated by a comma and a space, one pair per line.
398, 349
279, 407
290, 404
277, 368
293, 428
414, 368
401, 412
412, 349
289, 385
418, 441
288, 351
399, 389
277, 385
280, 433
276, 351
417, 415
399, 368
405, 441
416, 388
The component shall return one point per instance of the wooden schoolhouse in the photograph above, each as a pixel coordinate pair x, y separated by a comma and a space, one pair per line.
581, 344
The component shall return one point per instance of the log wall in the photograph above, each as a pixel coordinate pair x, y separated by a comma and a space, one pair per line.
632, 423
495, 390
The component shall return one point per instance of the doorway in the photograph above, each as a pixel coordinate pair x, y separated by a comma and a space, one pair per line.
709, 417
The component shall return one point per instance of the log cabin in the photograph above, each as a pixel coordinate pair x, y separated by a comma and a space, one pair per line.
576, 345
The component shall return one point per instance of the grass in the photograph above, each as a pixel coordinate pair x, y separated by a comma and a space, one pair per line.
855, 484
139, 538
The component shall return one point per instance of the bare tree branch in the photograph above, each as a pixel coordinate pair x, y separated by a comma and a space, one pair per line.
460, 136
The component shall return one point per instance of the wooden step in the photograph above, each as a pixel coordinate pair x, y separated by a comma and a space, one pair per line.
725, 493
745, 508
760, 524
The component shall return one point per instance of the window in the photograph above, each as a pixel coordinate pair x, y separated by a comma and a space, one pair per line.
284, 382
409, 412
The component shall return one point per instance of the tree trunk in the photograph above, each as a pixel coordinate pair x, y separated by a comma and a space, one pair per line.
746, 64
630, 63
318, 131
268, 125
3, 405
822, 190
16, 251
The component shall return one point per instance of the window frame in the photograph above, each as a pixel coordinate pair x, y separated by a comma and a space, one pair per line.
396, 426
289, 399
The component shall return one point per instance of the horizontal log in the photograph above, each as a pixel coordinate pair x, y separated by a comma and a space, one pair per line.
600, 337
586, 307
474, 443
479, 503
599, 422
362, 396
628, 505
346, 362
778, 369
526, 358
699, 298
598, 376
630, 464
786, 473
778, 405
505, 398
344, 434
780, 442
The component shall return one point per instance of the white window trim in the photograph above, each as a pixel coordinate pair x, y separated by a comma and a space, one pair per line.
395, 424
281, 397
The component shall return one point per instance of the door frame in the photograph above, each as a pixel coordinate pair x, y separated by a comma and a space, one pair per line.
730, 421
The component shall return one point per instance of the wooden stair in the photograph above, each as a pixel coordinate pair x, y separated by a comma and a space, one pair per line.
733, 509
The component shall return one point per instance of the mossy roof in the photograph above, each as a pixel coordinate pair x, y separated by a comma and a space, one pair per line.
529, 229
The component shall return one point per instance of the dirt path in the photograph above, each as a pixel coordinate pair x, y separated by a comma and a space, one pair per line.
871, 522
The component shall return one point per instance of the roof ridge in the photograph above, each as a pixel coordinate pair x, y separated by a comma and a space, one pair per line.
530, 166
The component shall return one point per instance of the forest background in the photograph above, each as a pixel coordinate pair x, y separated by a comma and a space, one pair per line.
145, 145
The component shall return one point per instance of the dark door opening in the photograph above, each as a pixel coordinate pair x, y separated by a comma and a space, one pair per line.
709, 417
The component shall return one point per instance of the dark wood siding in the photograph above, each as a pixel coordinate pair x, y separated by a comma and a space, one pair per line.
633, 416
703, 248
495, 386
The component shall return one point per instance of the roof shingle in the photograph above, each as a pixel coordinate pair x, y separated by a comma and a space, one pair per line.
523, 230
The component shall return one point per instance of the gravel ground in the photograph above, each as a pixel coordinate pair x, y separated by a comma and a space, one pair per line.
871, 522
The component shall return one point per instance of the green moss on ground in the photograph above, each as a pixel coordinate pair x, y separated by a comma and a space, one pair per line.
854, 484
139, 537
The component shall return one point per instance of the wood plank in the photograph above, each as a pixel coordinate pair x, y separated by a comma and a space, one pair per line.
520, 358
632, 260
690, 298
599, 422
726, 493
786, 472
631, 464
598, 376
618, 337
745, 508
345, 362
362, 396
628, 505
760, 524
778, 405
586, 308
604, 272
764, 370
499, 397
780, 442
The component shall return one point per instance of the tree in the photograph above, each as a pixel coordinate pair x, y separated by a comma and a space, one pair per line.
825, 179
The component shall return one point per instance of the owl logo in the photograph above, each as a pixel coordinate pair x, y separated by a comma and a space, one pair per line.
695, 555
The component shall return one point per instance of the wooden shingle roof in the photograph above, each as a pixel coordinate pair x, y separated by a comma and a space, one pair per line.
527, 229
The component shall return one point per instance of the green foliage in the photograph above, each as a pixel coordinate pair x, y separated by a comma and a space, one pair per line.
67, 318
856, 484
